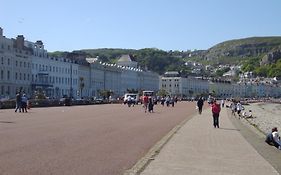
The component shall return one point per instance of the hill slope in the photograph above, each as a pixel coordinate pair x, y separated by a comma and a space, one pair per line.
243, 48
238, 51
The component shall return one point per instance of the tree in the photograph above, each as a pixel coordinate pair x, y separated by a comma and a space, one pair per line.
132, 91
162, 93
105, 93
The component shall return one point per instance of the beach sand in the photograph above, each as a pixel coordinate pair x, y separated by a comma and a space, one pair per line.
265, 115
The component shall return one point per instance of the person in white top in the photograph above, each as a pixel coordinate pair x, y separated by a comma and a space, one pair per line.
222, 103
24, 103
239, 108
276, 138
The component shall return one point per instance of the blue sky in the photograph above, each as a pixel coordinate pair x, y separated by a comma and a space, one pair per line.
66, 25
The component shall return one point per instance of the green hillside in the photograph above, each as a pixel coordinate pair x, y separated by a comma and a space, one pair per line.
241, 49
248, 52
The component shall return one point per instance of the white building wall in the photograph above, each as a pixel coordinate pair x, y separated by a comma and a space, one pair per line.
84, 76
128, 80
14, 68
149, 81
113, 81
97, 79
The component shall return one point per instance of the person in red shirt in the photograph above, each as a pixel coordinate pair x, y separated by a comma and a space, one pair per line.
216, 113
145, 102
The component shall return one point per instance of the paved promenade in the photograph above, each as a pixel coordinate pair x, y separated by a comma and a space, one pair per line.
199, 148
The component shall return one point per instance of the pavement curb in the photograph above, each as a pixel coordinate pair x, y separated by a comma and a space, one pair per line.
155, 150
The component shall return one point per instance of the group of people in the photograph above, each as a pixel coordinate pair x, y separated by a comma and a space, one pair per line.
215, 107
148, 103
272, 138
22, 103
168, 100
236, 107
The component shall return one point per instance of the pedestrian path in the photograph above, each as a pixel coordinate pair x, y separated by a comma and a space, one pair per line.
199, 148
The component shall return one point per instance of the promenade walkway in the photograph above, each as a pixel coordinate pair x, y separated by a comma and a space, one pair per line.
199, 148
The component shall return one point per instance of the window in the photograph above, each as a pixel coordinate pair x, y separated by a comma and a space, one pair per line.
16, 76
20, 64
16, 63
2, 74
20, 76
9, 63
2, 60
9, 90
2, 90
8, 75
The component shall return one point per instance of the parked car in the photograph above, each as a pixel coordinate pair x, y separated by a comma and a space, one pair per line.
65, 101
134, 98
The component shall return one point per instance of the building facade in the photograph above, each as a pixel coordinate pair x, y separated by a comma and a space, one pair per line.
175, 85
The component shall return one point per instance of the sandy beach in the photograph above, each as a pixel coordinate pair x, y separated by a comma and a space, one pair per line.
265, 115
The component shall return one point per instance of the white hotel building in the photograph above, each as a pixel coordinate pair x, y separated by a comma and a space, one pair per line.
120, 77
175, 85
26, 66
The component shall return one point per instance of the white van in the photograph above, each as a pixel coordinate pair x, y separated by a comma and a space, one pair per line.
134, 97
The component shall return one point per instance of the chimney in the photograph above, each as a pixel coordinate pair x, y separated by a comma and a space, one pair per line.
20, 42
39, 44
1, 31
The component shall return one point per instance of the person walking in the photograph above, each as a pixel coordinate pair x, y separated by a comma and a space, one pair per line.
24, 103
150, 105
222, 103
162, 101
233, 108
18, 102
172, 101
145, 102
239, 109
168, 101
216, 113
200, 104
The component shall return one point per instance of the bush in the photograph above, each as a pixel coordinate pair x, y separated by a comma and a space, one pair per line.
7, 104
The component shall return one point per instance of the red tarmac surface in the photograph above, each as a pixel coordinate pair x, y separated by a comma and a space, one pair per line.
98, 139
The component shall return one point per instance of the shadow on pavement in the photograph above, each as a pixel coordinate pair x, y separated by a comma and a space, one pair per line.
233, 129
6, 122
